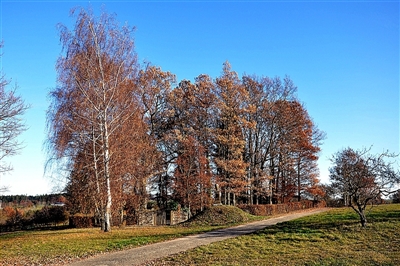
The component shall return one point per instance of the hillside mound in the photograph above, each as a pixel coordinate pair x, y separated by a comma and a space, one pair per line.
219, 215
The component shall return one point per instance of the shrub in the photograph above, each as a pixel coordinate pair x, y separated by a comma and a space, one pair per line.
81, 221
49, 215
274, 209
14, 215
172, 205
151, 204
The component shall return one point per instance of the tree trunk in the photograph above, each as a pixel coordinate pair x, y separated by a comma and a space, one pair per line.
96, 172
225, 201
363, 220
188, 202
107, 216
122, 219
360, 210
250, 194
298, 181
201, 197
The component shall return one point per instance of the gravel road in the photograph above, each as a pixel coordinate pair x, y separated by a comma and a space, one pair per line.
141, 255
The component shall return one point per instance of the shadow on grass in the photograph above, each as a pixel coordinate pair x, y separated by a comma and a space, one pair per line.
342, 219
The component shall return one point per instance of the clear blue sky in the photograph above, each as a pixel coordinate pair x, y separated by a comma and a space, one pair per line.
343, 56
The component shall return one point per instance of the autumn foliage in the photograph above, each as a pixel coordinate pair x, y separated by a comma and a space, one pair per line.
126, 133
360, 178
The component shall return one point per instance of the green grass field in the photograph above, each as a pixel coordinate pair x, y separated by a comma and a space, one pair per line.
60, 247
63, 246
331, 238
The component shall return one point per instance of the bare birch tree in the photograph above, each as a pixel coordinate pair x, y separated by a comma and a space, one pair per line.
94, 97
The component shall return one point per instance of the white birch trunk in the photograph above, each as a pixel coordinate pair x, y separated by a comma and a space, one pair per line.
107, 215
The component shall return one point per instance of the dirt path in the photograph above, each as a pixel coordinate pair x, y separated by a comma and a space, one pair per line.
141, 255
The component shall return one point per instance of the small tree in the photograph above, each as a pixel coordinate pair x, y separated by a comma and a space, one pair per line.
361, 177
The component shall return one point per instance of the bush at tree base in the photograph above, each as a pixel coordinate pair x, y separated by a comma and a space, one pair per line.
274, 209
50, 215
81, 221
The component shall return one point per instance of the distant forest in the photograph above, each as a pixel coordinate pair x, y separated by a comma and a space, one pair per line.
44, 199
22, 200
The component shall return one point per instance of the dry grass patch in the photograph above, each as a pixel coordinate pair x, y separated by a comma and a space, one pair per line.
60, 247
63, 246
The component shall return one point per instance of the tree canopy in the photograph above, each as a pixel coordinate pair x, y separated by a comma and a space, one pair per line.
128, 133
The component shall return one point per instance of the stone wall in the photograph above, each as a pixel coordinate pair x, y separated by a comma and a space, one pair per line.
152, 217
146, 218
178, 217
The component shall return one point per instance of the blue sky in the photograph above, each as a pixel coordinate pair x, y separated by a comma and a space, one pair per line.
343, 56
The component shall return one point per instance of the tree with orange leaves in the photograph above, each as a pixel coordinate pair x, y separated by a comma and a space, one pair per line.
192, 178
191, 106
229, 140
262, 137
297, 147
153, 89
93, 101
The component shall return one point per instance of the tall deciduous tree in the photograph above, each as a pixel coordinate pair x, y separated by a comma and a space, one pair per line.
360, 177
294, 150
262, 137
154, 87
94, 98
190, 106
229, 140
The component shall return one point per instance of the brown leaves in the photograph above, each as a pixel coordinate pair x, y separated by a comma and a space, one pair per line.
360, 177
120, 126
192, 177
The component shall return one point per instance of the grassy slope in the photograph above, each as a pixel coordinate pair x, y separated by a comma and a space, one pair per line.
60, 247
332, 238
221, 215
